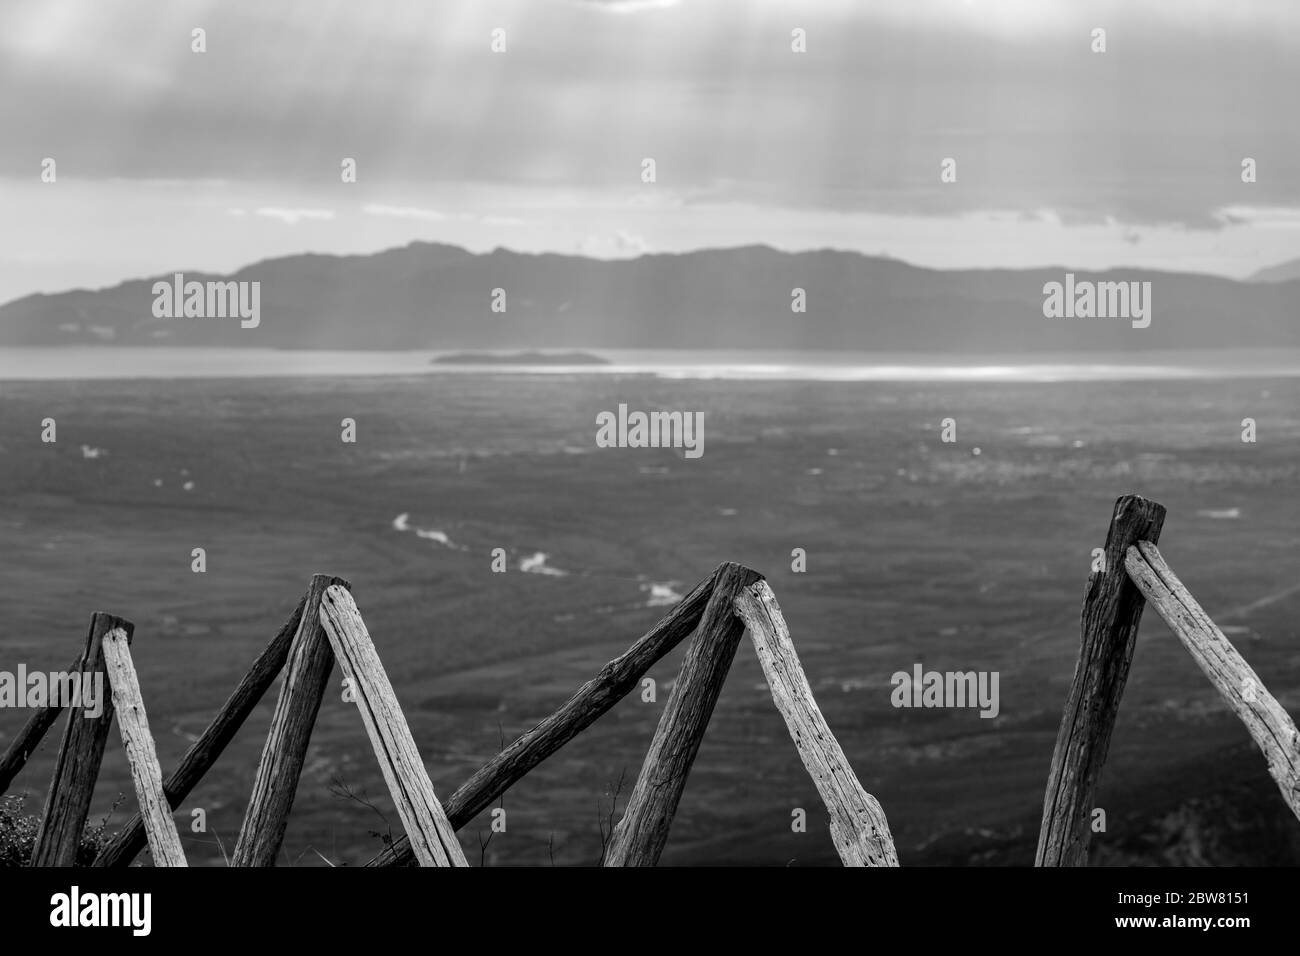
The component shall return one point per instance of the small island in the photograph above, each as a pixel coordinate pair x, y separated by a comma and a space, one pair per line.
520, 358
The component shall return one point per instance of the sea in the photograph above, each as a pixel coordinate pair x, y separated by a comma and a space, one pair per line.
125, 362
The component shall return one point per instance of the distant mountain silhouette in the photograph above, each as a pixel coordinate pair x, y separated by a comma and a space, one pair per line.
1282, 272
432, 296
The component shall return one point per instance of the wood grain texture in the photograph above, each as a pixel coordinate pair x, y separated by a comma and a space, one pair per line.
77, 767
200, 758
639, 838
579, 712
858, 825
1112, 610
306, 675
29, 737
133, 722
1270, 726
432, 838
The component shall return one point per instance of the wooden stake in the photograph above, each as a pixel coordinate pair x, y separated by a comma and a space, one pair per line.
77, 766
1111, 612
639, 838
858, 825
432, 838
200, 758
306, 676
164, 841
1272, 729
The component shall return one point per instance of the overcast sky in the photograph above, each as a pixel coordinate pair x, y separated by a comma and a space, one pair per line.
171, 160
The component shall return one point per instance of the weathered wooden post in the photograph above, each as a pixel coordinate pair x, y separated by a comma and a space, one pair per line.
432, 838
128, 703
306, 675
858, 825
77, 767
579, 712
199, 759
1111, 612
639, 837
1268, 723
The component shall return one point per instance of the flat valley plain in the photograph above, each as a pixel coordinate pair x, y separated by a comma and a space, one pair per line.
917, 551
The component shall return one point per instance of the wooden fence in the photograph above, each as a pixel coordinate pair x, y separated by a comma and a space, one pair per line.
1133, 573
326, 627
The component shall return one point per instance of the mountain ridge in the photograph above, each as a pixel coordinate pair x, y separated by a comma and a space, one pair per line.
1282, 272
427, 295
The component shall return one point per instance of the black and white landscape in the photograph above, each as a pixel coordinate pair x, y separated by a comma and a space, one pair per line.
906, 294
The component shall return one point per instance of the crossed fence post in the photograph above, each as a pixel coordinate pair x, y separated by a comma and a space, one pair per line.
1134, 573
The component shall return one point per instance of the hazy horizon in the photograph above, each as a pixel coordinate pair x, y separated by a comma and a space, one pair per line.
162, 363
167, 158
